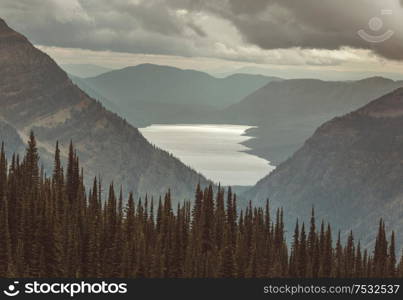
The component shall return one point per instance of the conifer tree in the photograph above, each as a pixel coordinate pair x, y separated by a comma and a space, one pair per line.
380, 251
294, 258
339, 260
227, 264
358, 262
392, 257
3, 174
302, 255
349, 256
327, 254
5, 241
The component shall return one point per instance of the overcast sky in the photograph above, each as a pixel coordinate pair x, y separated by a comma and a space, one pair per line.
307, 38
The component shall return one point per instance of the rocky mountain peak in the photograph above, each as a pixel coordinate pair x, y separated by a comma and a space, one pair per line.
6, 31
3, 24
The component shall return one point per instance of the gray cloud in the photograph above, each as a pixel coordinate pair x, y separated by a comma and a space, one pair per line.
117, 25
324, 24
172, 27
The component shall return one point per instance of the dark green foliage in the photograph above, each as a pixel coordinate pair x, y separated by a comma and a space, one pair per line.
51, 227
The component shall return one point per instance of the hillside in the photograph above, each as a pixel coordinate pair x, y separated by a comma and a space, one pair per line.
35, 94
351, 170
288, 112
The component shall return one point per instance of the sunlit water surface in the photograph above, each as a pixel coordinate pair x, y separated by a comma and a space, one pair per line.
213, 150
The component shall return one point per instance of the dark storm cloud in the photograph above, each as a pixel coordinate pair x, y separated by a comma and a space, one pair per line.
324, 24
169, 26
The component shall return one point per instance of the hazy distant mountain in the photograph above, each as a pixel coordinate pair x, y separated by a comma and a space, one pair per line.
288, 112
303, 73
84, 70
147, 93
108, 104
36, 94
351, 170
243, 70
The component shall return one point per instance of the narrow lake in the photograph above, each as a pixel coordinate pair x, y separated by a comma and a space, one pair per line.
213, 150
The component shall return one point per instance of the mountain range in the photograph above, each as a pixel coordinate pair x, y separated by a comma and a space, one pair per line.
302, 73
350, 170
287, 112
36, 94
146, 94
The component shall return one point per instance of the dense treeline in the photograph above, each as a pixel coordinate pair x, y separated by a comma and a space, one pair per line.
50, 227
